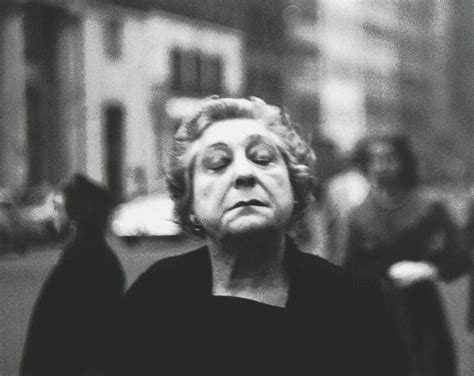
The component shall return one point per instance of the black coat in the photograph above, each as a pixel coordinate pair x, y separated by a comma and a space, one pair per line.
73, 322
420, 230
334, 324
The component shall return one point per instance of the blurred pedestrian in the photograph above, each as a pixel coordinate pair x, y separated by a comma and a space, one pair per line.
344, 192
72, 325
249, 302
409, 242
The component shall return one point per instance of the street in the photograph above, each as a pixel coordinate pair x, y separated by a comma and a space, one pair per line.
22, 277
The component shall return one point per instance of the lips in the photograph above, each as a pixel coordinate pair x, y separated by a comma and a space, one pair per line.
253, 202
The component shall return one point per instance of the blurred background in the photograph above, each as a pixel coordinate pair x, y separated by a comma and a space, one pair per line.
99, 87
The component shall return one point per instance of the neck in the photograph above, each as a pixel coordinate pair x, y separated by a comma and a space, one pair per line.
89, 234
250, 267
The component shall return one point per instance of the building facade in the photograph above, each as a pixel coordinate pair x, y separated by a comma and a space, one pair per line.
461, 83
98, 88
359, 60
385, 65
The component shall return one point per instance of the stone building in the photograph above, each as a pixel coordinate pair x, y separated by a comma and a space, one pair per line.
97, 87
460, 71
402, 65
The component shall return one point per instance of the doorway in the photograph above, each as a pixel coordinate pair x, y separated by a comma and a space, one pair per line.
114, 141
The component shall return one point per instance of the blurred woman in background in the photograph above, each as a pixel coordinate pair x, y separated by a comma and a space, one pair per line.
249, 302
409, 242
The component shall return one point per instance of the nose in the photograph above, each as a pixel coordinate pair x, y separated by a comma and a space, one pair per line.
244, 173
244, 181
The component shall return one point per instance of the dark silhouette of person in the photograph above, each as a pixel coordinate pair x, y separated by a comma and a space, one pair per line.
72, 326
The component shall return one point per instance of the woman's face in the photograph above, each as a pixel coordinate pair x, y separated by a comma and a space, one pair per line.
384, 165
241, 183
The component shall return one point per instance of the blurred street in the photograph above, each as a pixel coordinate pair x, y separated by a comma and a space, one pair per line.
22, 277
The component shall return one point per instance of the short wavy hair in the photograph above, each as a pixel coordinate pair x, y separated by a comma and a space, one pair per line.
402, 147
299, 157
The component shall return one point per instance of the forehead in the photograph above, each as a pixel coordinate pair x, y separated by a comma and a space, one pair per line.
235, 132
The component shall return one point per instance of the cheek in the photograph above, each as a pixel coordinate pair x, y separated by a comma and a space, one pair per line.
199, 190
283, 187
206, 188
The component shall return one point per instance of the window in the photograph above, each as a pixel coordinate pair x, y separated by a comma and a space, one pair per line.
34, 33
195, 73
192, 72
265, 84
114, 128
176, 70
41, 27
35, 135
212, 74
113, 34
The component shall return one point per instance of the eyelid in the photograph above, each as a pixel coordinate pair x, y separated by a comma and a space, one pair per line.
216, 158
262, 152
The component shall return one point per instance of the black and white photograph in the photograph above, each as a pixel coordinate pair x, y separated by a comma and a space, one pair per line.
236, 187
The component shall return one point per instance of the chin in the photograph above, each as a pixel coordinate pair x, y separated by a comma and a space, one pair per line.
251, 228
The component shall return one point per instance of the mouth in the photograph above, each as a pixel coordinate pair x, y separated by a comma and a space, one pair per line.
253, 202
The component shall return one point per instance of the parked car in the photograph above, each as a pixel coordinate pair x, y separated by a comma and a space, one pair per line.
10, 234
148, 215
36, 216
44, 217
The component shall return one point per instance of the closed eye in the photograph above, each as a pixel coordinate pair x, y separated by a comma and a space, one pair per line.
218, 165
261, 153
262, 161
217, 158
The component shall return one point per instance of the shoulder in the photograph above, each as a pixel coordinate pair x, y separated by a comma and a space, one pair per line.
175, 266
356, 317
433, 210
348, 298
166, 276
336, 282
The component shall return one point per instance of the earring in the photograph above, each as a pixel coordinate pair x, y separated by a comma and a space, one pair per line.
195, 224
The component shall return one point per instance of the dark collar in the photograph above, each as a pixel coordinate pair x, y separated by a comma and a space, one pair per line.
302, 269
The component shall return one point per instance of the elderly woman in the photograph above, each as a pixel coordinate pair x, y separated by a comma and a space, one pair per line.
409, 242
249, 303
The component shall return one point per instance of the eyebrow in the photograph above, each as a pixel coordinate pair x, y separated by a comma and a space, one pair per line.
257, 139
251, 141
215, 146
